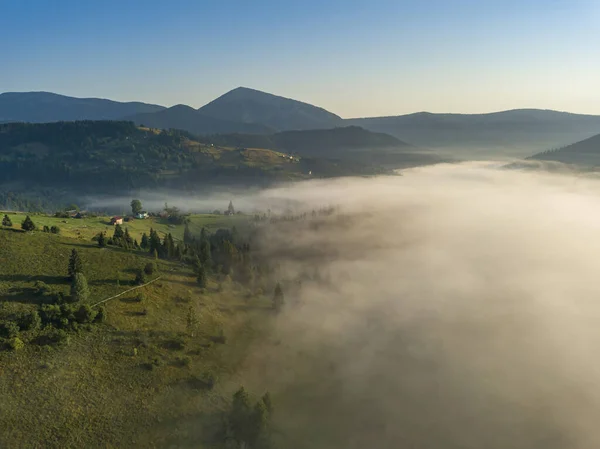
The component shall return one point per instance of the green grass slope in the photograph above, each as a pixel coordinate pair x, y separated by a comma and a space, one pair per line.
141, 378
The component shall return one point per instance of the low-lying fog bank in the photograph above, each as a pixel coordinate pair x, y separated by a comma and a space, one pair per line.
459, 307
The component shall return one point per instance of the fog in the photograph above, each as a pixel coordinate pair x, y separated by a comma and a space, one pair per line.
457, 307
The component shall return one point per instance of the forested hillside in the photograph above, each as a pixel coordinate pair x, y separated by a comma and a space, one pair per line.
103, 157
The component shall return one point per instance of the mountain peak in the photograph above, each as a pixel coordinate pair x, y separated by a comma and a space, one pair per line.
246, 105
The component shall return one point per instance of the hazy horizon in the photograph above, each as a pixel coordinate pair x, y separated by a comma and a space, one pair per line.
356, 59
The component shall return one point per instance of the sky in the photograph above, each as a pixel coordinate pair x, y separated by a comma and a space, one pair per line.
355, 58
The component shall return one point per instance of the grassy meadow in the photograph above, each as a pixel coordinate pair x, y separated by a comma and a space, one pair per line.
86, 228
157, 373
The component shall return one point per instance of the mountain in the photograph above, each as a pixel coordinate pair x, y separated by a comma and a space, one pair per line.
194, 121
253, 106
38, 107
515, 133
350, 143
583, 153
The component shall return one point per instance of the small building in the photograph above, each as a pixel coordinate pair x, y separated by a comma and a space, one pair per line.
116, 221
141, 215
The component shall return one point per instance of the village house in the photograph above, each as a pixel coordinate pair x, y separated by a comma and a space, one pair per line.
116, 221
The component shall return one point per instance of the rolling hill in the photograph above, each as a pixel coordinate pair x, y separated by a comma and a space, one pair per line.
38, 107
515, 133
194, 121
583, 153
350, 143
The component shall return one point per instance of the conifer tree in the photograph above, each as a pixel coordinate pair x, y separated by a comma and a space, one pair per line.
75, 264
127, 239
205, 256
79, 288
101, 240
201, 276
154, 242
27, 224
118, 234
6, 221
144, 243
187, 235
240, 416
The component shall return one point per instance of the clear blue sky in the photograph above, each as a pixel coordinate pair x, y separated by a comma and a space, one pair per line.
353, 57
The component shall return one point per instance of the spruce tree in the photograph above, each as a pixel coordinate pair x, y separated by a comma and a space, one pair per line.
79, 288
201, 276
6, 221
240, 416
154, 242
205, 256
101, 240
187, 235
259, 425
27, 224
127, 239
75, 264
278, 299
230, 208
145, 243
118, 234
170, 246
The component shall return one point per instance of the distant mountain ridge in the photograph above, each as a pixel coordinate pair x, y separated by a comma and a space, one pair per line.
517, 132
40, 107
513, 133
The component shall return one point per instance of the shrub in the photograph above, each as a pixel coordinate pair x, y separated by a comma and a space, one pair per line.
141, 297
29, 321
205, 381
46, 229
140, 278
53, 336
41, 288
150, 268
15, 344
209, 379
100, 315
85, 314
8, 329
55, 230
